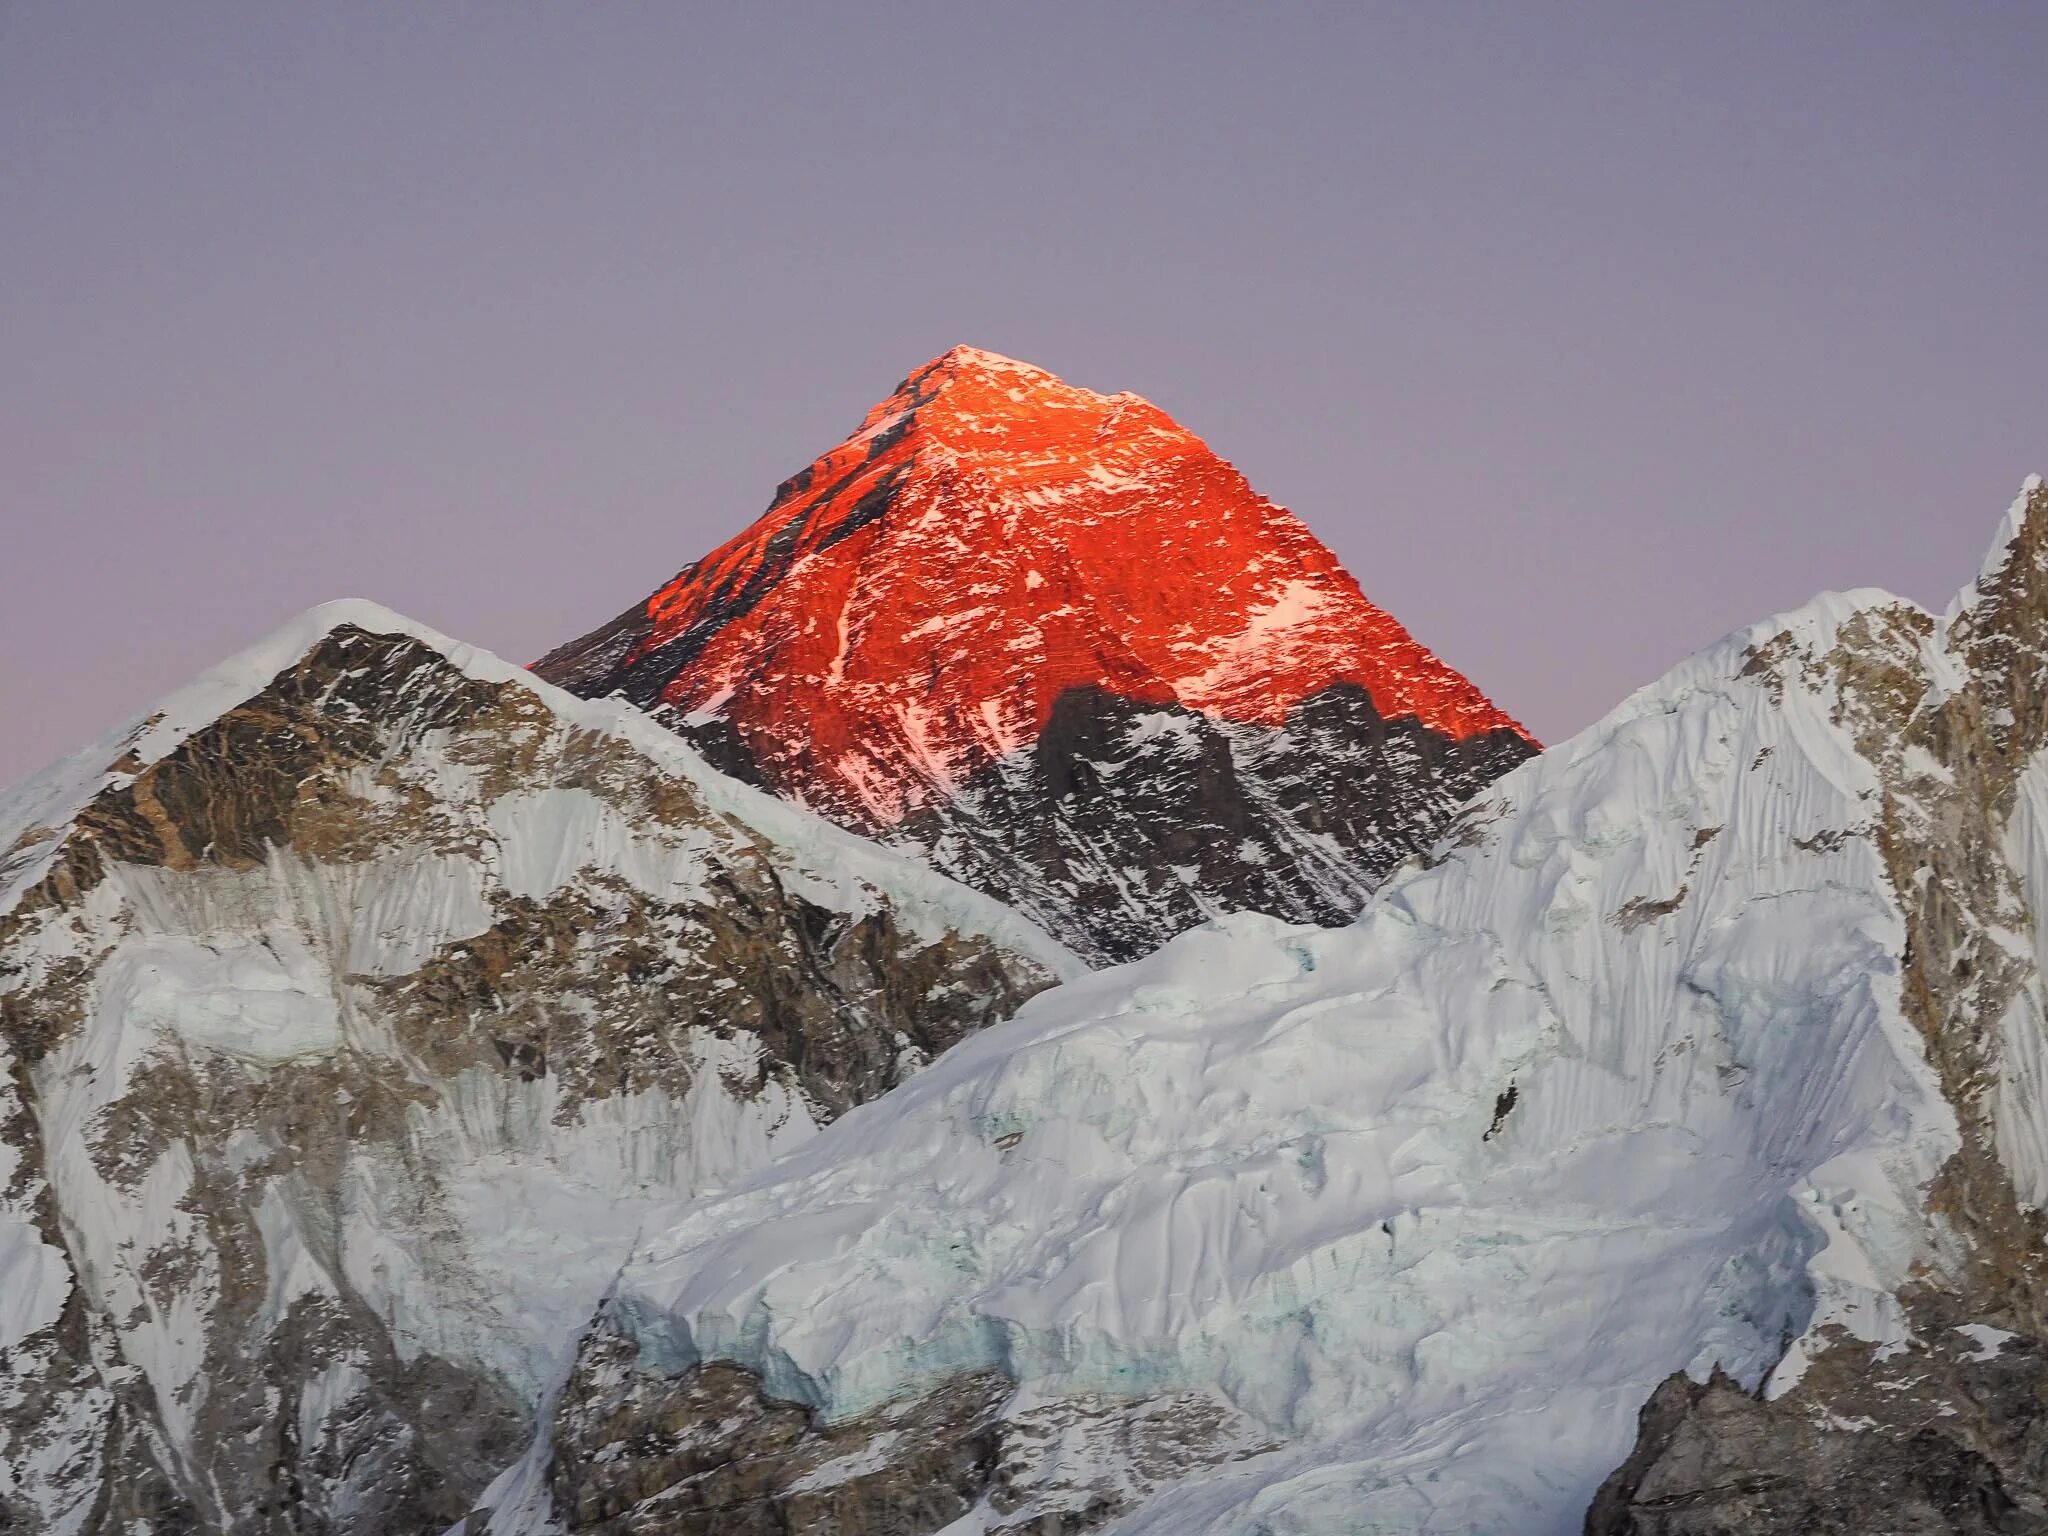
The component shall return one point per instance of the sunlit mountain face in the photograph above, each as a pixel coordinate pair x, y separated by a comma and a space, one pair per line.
1052, 641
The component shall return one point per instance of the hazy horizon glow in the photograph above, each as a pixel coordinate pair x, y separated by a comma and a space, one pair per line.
1581, 336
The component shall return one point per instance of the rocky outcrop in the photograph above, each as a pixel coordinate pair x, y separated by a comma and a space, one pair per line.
354, 1012
708, 1450
1049, 642
1948, 1436
710, 1453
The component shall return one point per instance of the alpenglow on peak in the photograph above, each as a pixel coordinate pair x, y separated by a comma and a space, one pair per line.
942, 631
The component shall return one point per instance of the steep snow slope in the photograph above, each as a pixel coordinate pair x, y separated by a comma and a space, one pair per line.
1393, 1228
1941, 1427
1049, 641
353, 1008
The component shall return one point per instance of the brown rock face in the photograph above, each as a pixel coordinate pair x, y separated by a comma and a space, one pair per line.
347, 1036
707, 1451
1947, 1438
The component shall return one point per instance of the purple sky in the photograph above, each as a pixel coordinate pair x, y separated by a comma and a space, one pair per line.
1583, 333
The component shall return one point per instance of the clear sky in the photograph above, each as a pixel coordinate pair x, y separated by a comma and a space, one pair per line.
1584, 333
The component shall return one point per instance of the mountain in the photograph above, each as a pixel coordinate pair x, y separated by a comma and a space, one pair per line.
1699, 1065
355, 1010
1048, 642
432, 1101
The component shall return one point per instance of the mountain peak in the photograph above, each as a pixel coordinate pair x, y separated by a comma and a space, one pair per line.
970, 367
2022, 536
974, 402
979, 360
915, 601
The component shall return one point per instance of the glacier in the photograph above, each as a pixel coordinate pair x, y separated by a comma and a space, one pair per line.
1614, 1083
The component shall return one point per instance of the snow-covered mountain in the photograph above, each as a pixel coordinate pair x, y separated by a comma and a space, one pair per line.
432, 1101
354, 1009
1709, 1040
1049, 642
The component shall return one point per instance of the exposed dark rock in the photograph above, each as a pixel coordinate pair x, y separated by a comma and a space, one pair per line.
706, 1451
1951, 1438
1125, 823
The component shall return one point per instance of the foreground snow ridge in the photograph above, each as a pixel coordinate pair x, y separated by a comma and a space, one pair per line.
1617, 1085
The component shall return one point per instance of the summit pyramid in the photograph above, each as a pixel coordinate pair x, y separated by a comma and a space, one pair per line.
1050, 641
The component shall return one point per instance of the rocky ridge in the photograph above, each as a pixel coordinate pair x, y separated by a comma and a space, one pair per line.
354, 1009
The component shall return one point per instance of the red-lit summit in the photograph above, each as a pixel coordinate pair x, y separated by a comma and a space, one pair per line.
994, 553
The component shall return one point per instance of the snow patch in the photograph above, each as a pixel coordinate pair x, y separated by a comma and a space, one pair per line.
1989, 1340
266, 998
